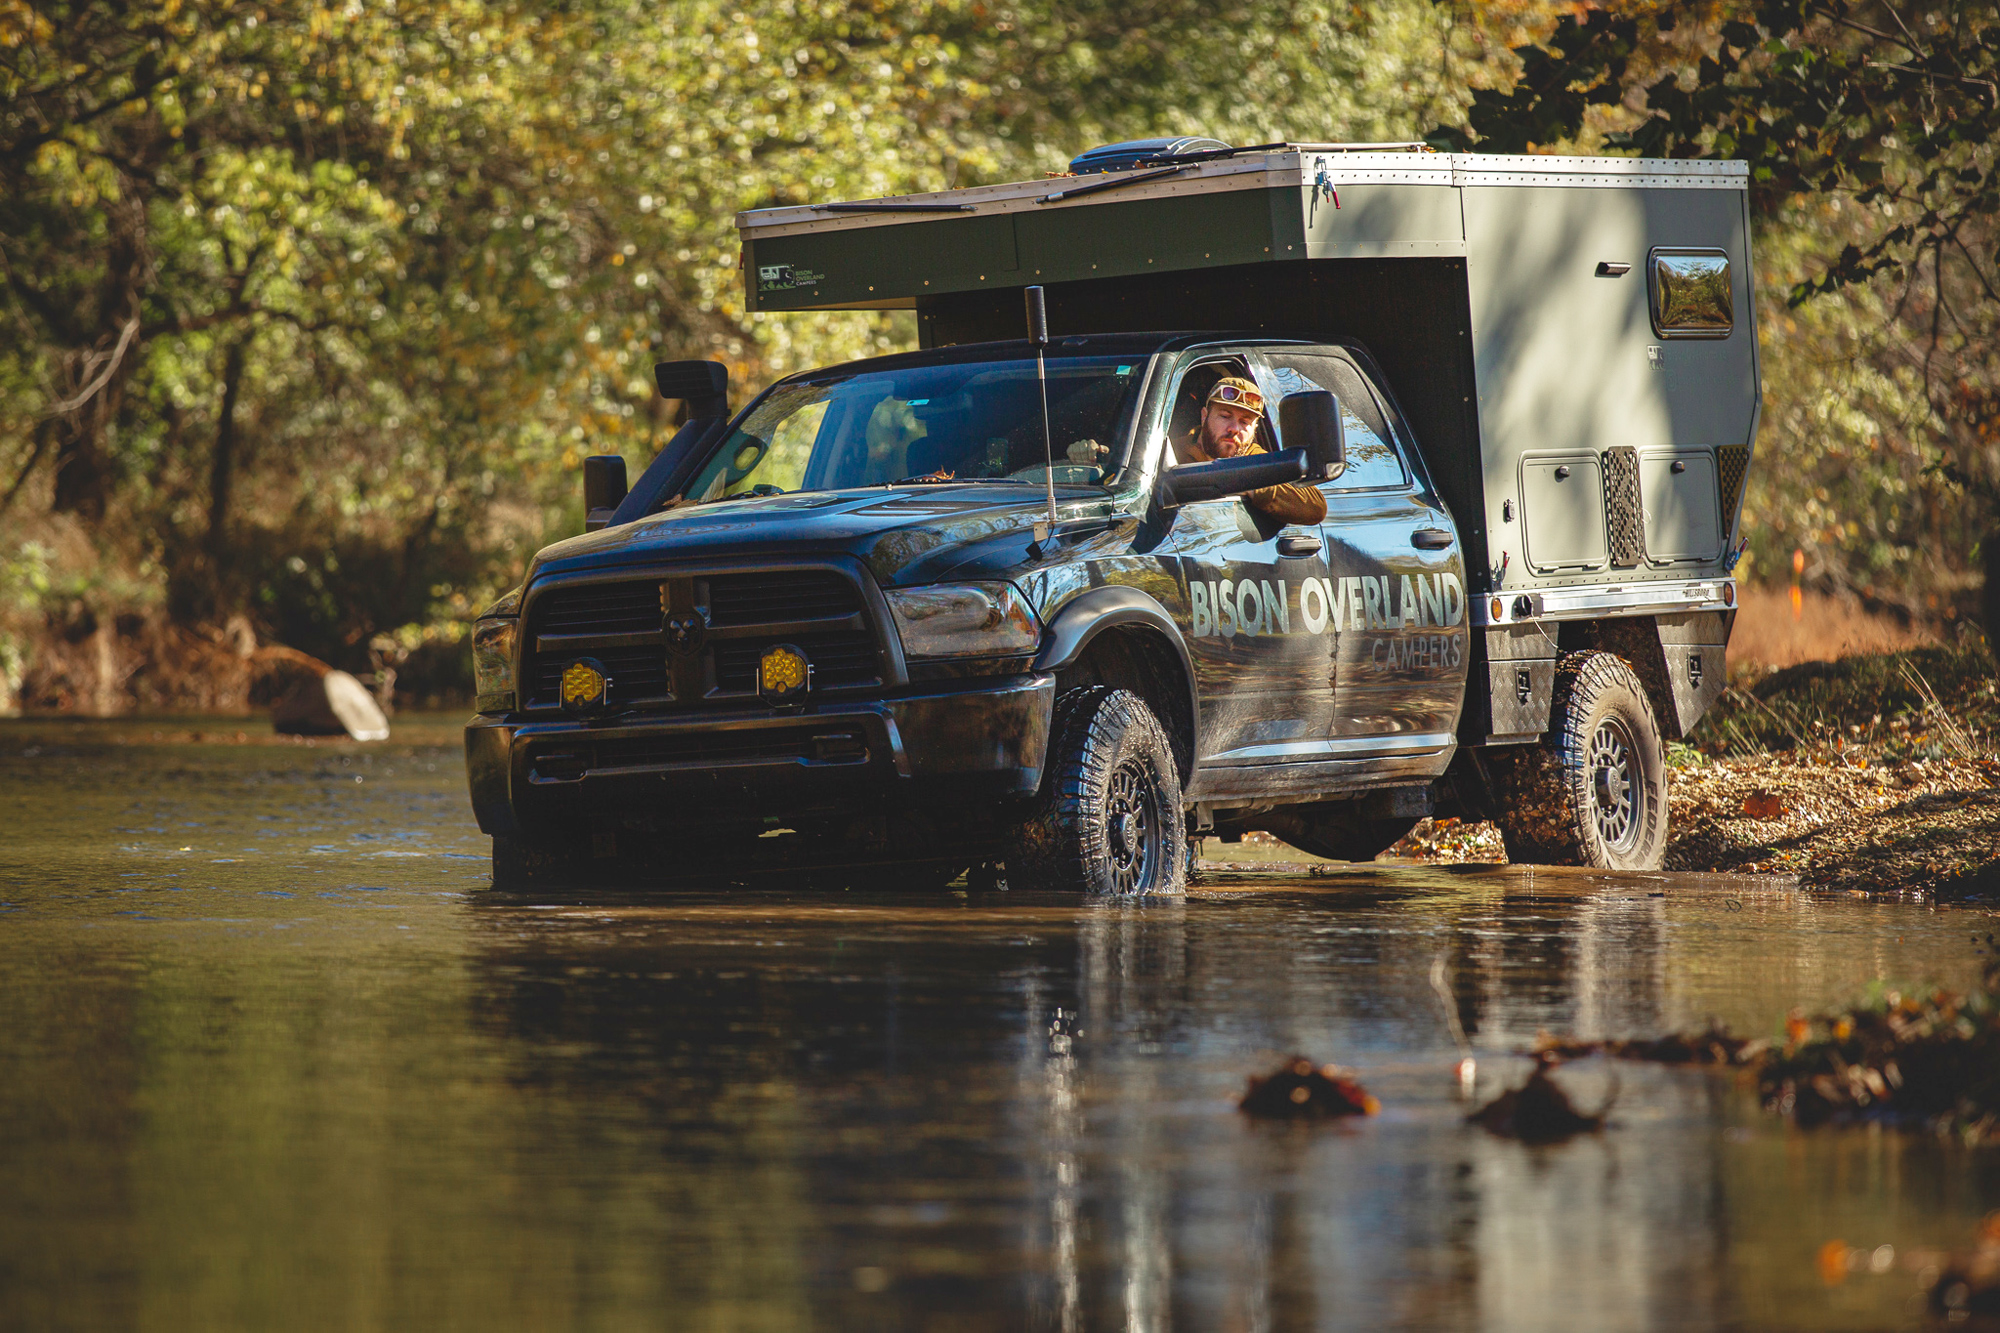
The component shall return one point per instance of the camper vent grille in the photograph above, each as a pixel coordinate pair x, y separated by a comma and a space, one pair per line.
1732, 461
1622, 507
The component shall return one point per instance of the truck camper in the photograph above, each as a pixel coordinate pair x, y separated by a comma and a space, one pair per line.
1015, 602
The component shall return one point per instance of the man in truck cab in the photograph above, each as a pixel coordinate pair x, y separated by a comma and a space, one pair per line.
1228, 429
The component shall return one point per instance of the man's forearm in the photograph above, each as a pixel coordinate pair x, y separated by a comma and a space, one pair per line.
1289, 503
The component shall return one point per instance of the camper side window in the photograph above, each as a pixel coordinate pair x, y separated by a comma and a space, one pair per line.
1372, 462
1690, 293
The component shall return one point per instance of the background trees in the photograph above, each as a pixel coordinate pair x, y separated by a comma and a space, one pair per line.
311, 310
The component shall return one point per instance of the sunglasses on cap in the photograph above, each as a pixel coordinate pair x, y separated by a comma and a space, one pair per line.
1237, 396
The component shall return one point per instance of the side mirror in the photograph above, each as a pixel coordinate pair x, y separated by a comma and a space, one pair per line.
603, 489
1231, 476
702, 385
1311, 421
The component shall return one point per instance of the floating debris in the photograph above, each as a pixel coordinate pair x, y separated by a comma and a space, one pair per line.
1913, 1060
1967, 1289
1299, 1090
1539, 1111
1716, 1046
1907, 1058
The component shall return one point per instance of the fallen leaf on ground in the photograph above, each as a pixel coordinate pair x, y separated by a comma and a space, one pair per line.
1764, 805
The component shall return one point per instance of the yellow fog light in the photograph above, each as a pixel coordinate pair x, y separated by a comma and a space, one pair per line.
783, 673
584, 685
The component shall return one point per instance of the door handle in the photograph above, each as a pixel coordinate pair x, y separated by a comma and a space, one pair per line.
1432, 539
1298, 543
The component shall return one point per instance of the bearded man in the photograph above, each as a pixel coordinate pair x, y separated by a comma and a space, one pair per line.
1228, 429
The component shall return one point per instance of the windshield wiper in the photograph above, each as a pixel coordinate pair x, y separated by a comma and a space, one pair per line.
928, 479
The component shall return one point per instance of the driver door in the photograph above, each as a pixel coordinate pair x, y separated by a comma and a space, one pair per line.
1261, 678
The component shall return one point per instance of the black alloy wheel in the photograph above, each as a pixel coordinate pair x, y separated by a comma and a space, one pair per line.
1108, 820
1594, 791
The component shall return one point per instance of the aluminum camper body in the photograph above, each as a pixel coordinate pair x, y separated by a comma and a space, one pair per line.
1572, 341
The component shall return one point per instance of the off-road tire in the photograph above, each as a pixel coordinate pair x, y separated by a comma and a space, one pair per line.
1108, 819
1594, 791
521, 862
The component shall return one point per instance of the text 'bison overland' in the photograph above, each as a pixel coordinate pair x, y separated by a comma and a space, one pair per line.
840, 634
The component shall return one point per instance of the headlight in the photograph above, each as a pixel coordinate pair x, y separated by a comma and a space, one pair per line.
965, 620
493, 664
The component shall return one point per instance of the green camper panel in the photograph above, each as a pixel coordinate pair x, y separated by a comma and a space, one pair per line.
896, 264
901, 262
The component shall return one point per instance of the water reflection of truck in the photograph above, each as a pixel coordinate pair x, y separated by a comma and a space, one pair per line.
839, 629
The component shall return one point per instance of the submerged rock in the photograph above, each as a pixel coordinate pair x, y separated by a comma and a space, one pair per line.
1298, 1090
335, 704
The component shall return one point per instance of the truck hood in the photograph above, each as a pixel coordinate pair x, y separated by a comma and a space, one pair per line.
903, 536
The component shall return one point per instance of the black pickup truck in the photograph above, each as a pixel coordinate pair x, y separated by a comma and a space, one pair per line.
982, 606
837, 634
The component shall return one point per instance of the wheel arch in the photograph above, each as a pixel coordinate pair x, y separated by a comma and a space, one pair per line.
1118, 635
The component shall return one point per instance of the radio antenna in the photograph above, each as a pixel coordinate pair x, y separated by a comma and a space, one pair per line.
1038, 334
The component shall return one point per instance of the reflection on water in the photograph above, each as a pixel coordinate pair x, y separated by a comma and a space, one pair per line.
274, 1057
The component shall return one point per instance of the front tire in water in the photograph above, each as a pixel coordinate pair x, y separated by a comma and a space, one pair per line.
1108, 819
527, 862
1594, 792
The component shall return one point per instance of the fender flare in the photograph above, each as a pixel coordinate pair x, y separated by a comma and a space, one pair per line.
1089, 614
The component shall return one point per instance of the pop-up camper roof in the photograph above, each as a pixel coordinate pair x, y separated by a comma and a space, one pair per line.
1575, 312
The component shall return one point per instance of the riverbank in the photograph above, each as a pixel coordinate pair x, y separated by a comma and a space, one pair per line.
1878, 773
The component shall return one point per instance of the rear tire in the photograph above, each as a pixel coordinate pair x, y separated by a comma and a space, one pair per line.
1594, 792
1108, 820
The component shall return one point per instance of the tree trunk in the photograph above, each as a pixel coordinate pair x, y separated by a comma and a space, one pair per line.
95, 375
222, 464
1989, 595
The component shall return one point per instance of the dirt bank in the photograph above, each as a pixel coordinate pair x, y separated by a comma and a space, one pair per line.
1877, 773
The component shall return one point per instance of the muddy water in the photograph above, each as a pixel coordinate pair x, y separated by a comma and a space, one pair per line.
273, 1056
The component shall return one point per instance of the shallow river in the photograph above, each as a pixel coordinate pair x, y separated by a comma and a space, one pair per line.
272, 1055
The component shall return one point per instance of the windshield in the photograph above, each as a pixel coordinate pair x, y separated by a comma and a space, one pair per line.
977, 421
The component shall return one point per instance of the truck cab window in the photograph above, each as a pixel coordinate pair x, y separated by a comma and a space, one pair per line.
1372, 461
963, 421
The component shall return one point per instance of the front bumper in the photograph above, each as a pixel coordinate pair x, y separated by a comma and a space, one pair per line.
982, 743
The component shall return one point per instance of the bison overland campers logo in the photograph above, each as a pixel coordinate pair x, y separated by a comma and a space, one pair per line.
786, 277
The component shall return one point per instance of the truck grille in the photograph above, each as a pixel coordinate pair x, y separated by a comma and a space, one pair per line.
622, 625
